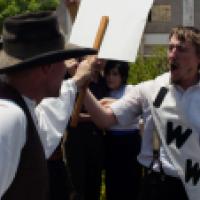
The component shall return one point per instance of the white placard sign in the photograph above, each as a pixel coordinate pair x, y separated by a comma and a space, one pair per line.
127, 19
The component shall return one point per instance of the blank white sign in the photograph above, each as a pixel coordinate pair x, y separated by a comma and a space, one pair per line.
127, 19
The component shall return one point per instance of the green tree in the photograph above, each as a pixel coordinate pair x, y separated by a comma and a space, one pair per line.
13, 7
146, 68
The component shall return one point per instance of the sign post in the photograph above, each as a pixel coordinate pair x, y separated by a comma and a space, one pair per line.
97, 43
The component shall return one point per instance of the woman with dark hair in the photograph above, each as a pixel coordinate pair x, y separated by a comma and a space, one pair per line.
122, 144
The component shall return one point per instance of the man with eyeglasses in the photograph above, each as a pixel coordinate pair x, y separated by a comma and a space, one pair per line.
169, 104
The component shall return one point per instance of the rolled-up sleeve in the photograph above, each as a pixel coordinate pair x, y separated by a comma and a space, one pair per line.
128, 108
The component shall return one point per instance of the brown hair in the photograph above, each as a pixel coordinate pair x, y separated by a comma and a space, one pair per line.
187, 33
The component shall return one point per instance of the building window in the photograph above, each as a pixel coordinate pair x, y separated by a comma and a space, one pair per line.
160, 13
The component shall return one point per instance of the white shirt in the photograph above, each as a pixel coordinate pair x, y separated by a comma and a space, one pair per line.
178, 113
50, 117
129, 108
117, 94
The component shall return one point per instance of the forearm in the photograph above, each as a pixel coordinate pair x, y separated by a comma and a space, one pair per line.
101, 116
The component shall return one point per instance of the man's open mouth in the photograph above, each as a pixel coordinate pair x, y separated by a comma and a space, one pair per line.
173, 66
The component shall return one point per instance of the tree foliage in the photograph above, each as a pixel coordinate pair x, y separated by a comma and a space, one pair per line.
13, 7
146, 68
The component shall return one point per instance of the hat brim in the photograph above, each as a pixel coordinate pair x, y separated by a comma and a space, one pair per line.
9, 64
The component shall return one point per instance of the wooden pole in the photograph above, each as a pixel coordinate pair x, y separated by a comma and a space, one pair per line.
101, 31
97, 43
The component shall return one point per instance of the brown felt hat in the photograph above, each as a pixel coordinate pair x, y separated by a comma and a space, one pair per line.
34, 39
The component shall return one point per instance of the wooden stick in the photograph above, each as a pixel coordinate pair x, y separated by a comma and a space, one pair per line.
96, 45
101, 31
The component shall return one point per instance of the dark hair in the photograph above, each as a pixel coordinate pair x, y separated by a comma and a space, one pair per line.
121, 66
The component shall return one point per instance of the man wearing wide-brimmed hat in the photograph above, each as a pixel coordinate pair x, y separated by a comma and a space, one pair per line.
32, 60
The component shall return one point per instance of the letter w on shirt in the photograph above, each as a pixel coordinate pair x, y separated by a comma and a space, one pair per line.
177, 134
192, 172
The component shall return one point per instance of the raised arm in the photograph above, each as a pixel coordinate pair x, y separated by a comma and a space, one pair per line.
53, 113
